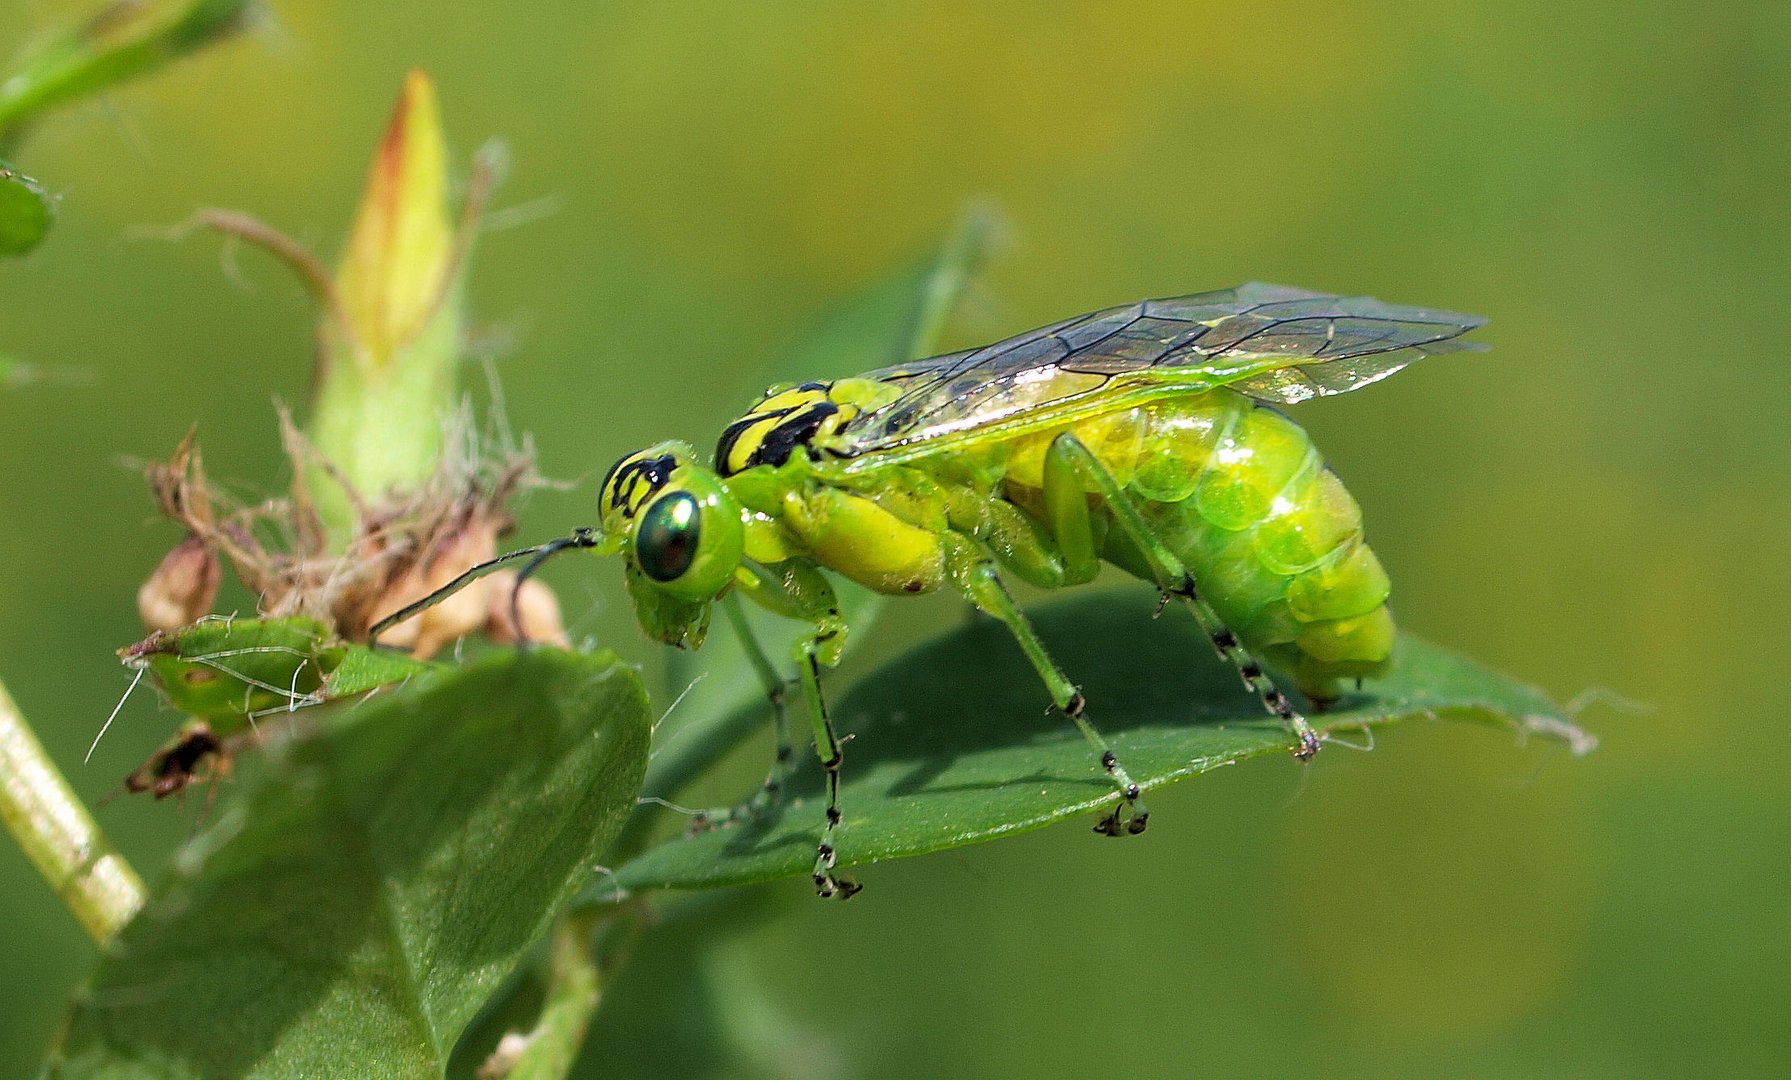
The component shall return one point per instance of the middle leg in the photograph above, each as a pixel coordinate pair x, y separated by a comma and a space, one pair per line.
975, 574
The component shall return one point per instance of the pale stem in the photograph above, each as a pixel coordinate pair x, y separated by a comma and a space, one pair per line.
574, 989
58, 835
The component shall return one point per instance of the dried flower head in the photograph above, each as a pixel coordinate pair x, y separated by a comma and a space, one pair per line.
182, 588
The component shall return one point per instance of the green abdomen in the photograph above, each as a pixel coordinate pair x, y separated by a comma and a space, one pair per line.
1273, 539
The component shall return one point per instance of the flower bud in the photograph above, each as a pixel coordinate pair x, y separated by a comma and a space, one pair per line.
401, 250
393, 315
182, 588
391, 343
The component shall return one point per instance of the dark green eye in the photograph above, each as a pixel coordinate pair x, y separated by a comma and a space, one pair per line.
665, 541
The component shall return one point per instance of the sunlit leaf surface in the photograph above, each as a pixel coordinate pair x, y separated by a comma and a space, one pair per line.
953, 742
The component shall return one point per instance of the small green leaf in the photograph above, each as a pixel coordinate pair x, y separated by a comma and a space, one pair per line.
229, 672
125, 39
375, 874
363, 669
954, 742
25, 213
898, 318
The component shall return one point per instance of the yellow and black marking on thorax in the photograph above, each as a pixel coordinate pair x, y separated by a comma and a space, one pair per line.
809, 414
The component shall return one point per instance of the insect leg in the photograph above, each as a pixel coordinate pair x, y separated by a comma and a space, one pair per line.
796, 588
1066, 506
1068, 453
827, 747
774, 684
976, 575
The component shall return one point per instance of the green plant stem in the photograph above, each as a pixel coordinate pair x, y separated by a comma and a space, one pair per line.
574, 990
58, 834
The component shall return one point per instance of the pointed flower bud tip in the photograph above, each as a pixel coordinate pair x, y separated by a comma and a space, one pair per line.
394, 272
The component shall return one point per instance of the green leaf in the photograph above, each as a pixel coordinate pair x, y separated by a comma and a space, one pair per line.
127, 38
229, 672
25, 213
363, 669
374, 875
899, 318
953, 742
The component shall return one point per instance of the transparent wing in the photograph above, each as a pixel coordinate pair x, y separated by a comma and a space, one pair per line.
1275, 343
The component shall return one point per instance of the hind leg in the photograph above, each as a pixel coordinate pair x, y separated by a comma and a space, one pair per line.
1071, 469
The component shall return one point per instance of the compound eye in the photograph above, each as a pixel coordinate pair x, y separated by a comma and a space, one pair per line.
667, 535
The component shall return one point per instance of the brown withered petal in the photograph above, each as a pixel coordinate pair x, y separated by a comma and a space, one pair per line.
405, 634
402, 547
538, 607
182, 588
464, 612
177, 764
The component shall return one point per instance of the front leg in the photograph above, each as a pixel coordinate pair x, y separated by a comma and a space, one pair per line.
808, 652
775, 686
796, 588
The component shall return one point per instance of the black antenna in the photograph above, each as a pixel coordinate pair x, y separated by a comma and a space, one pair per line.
580, 538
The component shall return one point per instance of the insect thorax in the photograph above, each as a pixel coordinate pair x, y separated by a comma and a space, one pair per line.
810, 414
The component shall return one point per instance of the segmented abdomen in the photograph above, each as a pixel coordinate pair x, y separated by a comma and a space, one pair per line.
1238, 492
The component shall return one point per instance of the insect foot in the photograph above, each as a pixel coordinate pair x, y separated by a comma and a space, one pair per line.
1308, 745
703, 821
727, 817
828, 887
1128, 818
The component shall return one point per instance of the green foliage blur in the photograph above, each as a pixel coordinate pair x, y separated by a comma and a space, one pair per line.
1599, 502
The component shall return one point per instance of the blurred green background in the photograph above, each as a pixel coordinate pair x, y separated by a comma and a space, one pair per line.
1601, 501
